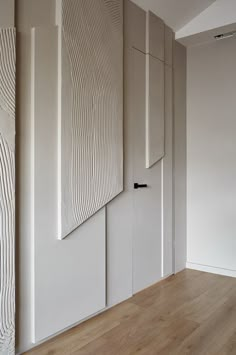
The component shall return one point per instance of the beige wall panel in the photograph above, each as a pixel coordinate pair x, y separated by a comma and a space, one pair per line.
169, 37
7, 13
135, 26
168, 176
34, 13
155, 36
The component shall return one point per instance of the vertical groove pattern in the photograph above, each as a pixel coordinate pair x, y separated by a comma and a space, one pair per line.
92, 108
7, 192
7, 71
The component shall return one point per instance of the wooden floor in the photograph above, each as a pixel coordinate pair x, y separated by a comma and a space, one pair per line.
190, 313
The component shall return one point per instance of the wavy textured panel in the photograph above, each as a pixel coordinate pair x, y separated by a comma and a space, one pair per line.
92, 109
7, 71
7, 191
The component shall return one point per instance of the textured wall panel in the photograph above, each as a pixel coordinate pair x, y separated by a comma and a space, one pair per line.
91, 129
7, 191
155, 112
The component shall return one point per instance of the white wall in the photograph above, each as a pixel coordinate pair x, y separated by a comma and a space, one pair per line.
211, 157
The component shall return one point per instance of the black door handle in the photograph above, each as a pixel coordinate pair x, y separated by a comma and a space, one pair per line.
139, 186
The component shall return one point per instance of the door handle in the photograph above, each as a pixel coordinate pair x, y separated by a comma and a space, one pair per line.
139, 186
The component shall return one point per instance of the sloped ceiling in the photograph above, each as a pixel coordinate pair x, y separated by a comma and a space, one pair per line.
221, 13
175, 13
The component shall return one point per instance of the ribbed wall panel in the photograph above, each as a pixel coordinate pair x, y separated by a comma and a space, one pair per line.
91, 135
7, 191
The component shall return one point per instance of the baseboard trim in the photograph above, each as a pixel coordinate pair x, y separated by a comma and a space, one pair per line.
211, 269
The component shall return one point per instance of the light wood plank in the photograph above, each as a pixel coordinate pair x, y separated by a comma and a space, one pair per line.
189, 313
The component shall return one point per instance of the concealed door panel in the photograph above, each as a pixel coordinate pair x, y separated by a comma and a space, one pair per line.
120, 210
147, 201
155, 113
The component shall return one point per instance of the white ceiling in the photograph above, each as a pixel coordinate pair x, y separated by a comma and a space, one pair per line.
175, 13
221, 13
207, 36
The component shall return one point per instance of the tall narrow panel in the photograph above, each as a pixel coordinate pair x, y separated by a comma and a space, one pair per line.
154, 110
135, 26
167, 176
91, 127
7, 191
180, 175
155, 30
169, 36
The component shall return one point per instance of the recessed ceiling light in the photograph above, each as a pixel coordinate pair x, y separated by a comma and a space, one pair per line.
225, 35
